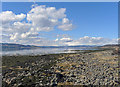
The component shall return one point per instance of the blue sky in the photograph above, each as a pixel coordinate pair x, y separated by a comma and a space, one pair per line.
89, 19
98, 19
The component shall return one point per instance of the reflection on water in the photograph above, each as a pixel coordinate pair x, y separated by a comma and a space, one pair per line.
42, 51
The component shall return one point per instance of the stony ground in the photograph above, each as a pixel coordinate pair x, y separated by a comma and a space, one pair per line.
98, 68
89, 68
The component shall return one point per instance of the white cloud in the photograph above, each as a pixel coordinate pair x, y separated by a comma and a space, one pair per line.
13, 36
9, 16
26, 28
66, 25
39, 18
65, 20
92, 41
66, 39
45, 18
29, 35
56, 39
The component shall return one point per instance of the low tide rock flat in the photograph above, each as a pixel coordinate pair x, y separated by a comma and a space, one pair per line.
88, 68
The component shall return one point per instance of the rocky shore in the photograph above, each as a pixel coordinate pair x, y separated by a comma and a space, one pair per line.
87, 68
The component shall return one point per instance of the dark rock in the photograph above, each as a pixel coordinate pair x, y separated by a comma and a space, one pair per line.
4, 84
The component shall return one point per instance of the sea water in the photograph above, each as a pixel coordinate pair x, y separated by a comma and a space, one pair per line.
42, 51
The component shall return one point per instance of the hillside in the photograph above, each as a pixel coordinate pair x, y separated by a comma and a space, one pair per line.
12, 46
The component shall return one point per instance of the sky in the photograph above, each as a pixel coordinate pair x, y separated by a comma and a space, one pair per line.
60, 23
60, 0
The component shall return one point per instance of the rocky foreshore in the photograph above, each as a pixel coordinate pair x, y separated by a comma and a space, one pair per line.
87, 68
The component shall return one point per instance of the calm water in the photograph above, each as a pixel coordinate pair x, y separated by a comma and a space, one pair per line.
42, 51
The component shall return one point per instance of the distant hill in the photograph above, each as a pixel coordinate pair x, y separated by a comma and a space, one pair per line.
13, 46
112, 45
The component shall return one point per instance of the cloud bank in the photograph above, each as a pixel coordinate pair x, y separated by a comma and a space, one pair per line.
92, 41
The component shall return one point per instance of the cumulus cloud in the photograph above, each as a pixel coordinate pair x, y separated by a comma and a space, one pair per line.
66, 39
24, 27
86, 40
66, 25
56, 39
9, 16
46, 18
